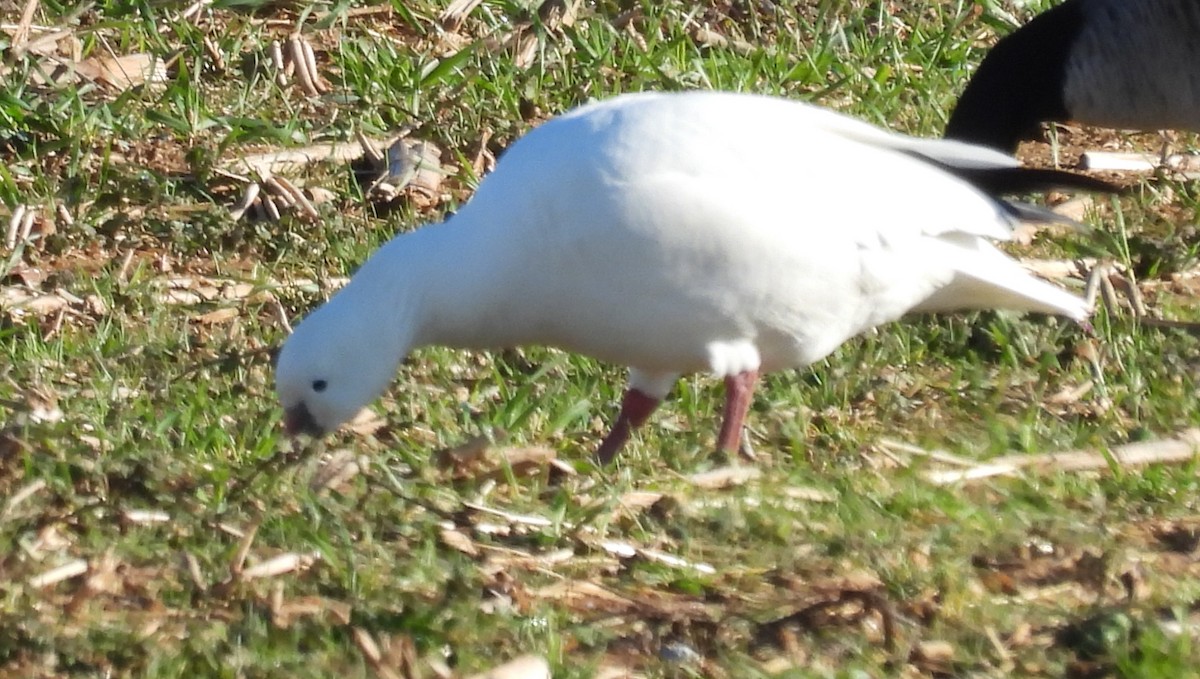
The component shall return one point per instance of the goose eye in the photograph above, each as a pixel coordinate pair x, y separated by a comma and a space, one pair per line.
319, 385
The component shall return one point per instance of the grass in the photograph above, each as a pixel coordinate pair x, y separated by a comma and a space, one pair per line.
139, 434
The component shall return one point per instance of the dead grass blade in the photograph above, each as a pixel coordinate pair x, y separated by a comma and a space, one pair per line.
625, 550
243, 551
26, 492
21, 35
1182, 448
456, 12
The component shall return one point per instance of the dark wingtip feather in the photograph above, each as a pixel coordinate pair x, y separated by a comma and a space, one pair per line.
1028, 212
1003, 181
1013, 180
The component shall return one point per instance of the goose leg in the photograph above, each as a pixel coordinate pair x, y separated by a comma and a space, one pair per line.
636, 408
739, 392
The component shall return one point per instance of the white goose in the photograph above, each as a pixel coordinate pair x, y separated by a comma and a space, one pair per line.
1130, 64
674, 233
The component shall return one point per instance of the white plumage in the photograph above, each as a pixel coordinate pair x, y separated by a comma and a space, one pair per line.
674, 233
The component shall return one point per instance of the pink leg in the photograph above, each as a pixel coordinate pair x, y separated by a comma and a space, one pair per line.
635, 410
739, 392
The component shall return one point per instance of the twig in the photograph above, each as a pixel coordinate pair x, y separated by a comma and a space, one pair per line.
284, 161
1186, 164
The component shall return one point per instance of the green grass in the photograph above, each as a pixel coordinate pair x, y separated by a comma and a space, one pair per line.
121, 402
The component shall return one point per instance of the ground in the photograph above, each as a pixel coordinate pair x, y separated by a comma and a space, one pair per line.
161, 525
